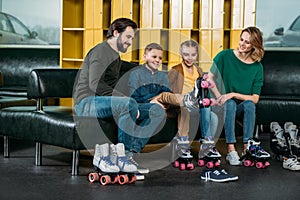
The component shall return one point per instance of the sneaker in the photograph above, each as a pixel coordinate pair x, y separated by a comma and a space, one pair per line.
231, 177
291, 163
140, 169
233, 158
215, 176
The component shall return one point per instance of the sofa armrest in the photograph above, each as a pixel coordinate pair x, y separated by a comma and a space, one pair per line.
47, 83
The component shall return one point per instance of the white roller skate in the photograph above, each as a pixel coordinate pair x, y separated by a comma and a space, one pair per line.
105, 170
184, 155
255, 155
127, 169
293, 138
208, 154
278, 142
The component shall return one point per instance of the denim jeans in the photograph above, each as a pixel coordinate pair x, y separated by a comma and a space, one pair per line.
244, 110
124, 111
208, 123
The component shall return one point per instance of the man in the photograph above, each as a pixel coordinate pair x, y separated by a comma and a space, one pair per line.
95, 93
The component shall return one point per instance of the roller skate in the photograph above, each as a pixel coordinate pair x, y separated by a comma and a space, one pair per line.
128, 170
292, 138
185, 159
198, 97
255, 155
105, 171
278, 142
208, 154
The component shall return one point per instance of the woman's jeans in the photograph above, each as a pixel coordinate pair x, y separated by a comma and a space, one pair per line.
124, 111
244, 110
208, 123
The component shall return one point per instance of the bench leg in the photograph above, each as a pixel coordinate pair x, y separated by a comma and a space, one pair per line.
38, 154
75, 163
257, 127
6, 146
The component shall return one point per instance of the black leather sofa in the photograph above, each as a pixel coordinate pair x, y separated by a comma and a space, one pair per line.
280, 96
56, 125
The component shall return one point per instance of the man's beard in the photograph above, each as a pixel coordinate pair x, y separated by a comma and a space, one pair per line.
120, 45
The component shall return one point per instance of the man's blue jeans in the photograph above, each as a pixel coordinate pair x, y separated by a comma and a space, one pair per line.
124, 111
244, 110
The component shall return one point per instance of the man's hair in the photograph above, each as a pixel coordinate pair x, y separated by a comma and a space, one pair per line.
120, 25
151, 46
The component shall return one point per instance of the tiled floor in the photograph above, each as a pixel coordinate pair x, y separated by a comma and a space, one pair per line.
21, 179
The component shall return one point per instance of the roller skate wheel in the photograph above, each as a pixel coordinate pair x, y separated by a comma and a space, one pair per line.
205, 76
267, 164
123, 179
211, 84
93, 177
176, 164
132, 179
116, 178
217, 164
205, 102
247, 163
190, 166
182, 166
204, 84
200, 163
259, 165
210, 165
104, 180
213, 102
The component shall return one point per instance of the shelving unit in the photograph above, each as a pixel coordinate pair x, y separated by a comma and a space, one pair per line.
215, 24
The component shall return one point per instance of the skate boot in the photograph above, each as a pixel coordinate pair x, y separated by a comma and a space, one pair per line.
208, 154
127, 169
278, 142
185, 158
291, 163
293, 138
105, 170
255, 155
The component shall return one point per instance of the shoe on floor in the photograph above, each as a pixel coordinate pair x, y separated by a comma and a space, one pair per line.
217, 176
233, 158
291, 163
231, 177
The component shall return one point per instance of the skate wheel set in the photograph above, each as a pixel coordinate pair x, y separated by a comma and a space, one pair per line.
204, 85
184, 164
111, 178
209, 162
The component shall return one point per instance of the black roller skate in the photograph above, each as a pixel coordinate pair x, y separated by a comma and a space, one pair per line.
105, 171
198, 98
278, 142
292, 138
208, 154
255, 155
185, 158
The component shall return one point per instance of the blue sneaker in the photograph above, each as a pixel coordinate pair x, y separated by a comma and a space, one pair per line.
217, 176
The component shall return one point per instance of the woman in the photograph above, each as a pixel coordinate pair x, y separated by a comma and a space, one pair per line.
238, 74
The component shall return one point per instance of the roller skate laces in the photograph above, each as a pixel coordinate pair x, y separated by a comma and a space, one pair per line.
102, 159
291, 163
217, 176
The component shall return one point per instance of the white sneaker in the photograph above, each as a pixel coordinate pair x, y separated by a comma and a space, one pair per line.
291, 163
233, 158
